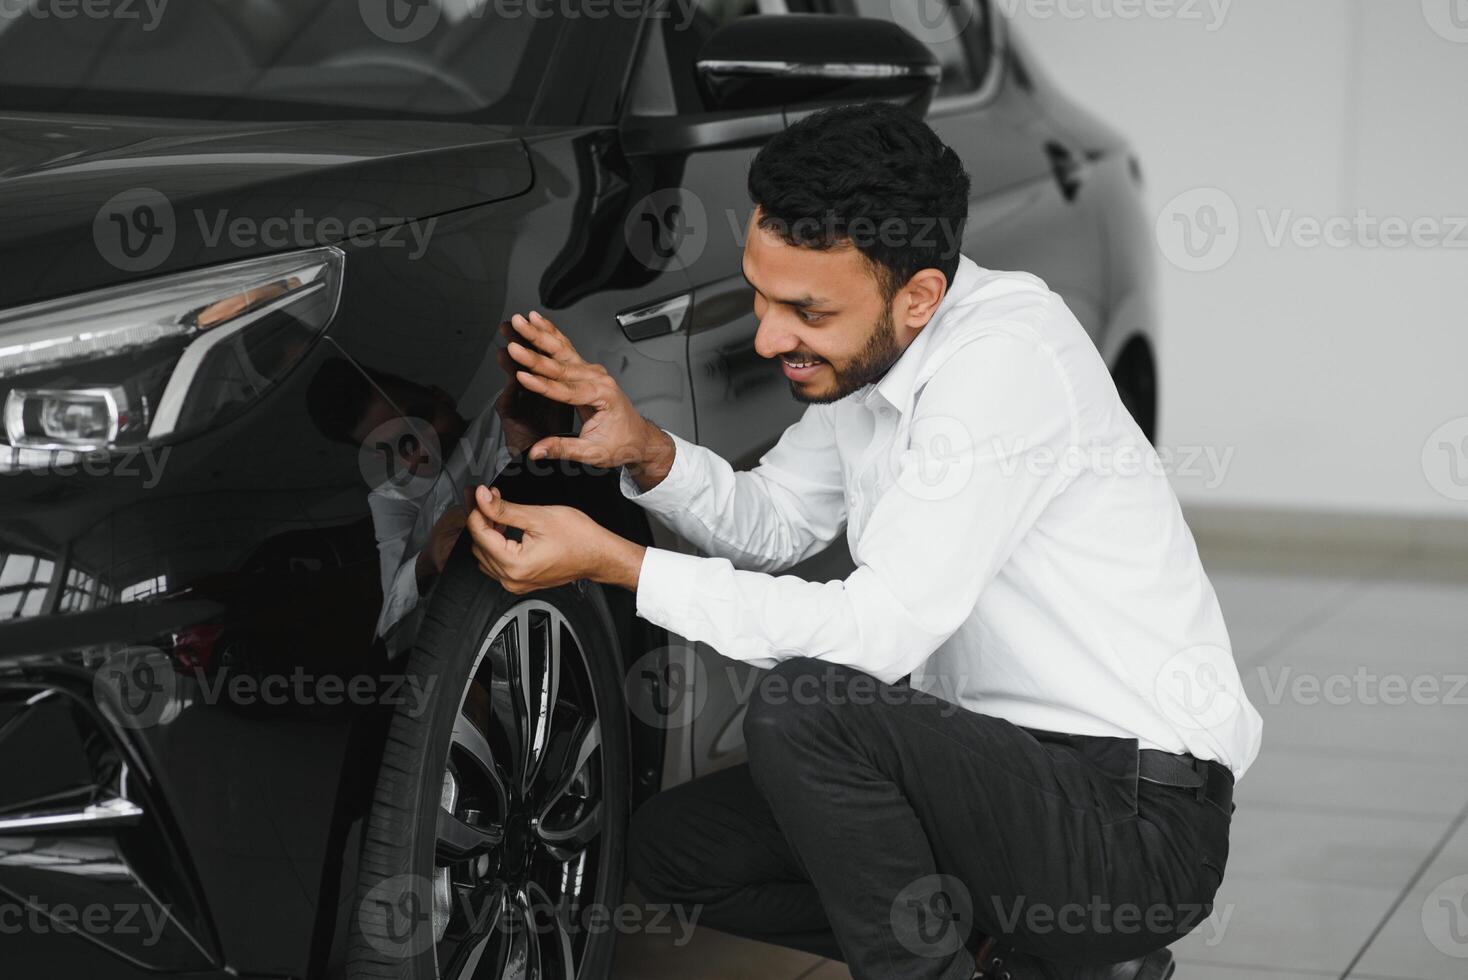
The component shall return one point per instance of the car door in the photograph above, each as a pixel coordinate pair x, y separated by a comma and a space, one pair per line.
742, 403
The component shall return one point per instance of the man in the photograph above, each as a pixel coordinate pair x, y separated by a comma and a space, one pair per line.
1013, 730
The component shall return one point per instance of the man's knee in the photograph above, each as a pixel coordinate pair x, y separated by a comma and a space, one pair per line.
792, 698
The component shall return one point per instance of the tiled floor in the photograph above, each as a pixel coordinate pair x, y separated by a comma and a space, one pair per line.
1350, 847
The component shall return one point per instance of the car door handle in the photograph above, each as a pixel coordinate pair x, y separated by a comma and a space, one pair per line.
656, 319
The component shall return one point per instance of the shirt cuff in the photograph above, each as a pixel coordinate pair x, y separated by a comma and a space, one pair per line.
677, 486
664, 584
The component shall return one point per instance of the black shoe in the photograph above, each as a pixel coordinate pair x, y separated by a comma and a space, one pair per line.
996, 962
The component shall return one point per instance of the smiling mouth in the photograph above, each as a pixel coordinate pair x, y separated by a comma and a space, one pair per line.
793, 362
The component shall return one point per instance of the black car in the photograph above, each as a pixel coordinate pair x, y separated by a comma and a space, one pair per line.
260, 713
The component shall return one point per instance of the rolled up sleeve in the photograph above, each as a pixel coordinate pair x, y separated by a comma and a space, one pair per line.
788, 507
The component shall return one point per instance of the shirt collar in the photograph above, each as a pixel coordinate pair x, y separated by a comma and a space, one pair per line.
896, 386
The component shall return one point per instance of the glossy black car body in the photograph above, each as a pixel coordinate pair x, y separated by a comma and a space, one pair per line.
248, 543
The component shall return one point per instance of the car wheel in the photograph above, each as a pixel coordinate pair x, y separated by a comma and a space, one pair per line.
496, 838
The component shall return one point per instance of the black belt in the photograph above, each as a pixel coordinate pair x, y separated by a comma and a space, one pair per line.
1212, 781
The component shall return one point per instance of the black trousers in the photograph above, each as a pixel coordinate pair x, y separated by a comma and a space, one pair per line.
893, 830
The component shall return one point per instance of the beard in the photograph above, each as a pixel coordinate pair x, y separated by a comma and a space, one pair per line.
876, 357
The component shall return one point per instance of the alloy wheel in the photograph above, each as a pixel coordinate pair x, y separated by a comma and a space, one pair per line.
521, 813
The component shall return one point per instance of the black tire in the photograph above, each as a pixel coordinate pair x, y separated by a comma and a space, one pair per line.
402, 853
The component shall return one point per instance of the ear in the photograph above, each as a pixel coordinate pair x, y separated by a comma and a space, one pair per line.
922, 294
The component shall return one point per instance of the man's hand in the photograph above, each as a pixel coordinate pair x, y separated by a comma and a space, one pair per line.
557, 545
525, 415
613, 432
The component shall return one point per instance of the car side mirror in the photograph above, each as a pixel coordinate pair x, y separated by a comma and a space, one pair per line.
770, 61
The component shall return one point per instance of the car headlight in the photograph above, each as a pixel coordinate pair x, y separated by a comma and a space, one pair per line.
146, 361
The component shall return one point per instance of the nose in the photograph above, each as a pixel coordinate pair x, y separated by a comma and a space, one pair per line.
771, 339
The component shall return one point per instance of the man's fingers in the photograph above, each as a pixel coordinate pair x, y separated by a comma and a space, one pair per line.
550, 339
490, 543
577, 392
545, 337
566, 447
548, 367
483, 530
494, 508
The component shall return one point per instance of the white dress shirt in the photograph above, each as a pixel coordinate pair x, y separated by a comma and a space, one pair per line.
1019, 550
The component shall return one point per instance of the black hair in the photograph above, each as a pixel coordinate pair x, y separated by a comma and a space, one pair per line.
873, 174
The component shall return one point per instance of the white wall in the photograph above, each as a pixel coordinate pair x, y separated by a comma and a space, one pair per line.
1324, 370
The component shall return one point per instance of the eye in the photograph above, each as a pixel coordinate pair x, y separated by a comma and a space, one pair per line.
810, 317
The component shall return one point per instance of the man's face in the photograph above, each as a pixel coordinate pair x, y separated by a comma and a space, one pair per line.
824, 308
